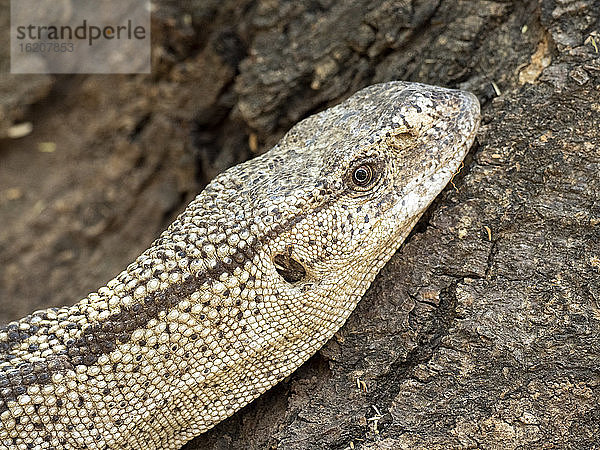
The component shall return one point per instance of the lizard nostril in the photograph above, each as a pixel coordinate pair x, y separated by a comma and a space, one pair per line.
289, 269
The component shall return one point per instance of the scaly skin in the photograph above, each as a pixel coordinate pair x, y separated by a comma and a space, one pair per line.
251, 279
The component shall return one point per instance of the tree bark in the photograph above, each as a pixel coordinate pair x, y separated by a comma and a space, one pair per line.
483, 331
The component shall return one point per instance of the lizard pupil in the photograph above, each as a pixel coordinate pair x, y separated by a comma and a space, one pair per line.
363, 175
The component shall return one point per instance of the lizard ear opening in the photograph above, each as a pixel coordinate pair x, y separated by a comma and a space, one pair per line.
289, 269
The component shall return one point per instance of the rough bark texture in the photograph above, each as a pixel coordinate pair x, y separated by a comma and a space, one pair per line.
482, 332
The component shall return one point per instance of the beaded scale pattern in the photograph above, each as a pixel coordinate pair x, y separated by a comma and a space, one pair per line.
259, 271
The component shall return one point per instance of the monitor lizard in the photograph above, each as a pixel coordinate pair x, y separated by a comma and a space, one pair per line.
259, 271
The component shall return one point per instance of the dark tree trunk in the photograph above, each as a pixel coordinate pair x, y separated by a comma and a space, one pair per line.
482, 332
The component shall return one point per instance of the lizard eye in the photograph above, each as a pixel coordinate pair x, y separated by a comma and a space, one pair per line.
363, 175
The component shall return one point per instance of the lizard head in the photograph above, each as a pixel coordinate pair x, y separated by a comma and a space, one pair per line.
337, 196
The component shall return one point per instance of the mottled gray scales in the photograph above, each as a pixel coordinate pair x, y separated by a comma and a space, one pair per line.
252, 279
